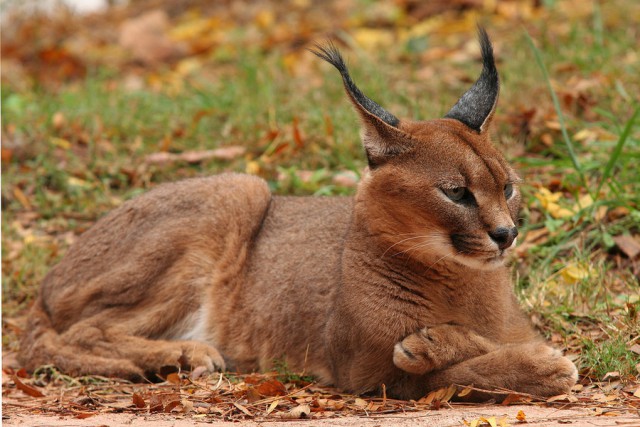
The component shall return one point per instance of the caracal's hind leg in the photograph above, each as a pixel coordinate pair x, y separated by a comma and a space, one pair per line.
134, 293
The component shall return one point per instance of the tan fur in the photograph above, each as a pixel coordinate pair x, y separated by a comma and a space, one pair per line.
359, 291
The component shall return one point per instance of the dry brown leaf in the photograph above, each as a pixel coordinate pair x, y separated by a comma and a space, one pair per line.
138, 400
273, 406
31, 391
557, 398
155, 404
224, 153
271, 388
58, 120
512, 398
243, 409
146, 37
628, 245
22, 198
174, 378
171, 405
300, 411
83, 415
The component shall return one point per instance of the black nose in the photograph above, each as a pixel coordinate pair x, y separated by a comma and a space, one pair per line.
504, 236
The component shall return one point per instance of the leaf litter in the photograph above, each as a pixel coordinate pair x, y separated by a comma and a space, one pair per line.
234, 397
159, 48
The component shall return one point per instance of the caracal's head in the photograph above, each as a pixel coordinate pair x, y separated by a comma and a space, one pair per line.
437, 190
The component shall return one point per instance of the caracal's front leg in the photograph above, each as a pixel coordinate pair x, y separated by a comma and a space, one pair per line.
437, 347
533, 368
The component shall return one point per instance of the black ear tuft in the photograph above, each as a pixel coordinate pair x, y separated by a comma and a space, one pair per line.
330, 53
475, 108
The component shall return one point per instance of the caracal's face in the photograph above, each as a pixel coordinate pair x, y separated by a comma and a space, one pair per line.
452, 197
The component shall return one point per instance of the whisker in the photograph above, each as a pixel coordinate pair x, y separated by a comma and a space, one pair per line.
401, 241
419, 246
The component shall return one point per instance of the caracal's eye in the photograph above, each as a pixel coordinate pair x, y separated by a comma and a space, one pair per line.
508, 191
456, 194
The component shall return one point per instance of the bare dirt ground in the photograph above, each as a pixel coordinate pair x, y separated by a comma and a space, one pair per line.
456, 416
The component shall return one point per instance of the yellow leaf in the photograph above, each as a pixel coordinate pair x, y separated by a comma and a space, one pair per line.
522, 417
583, 202
465, 391
193, 28
575, 272
77, 182
59, 142
502, 422
360, 403
451, 391
265, 18
252, 168
371, 39
188, 66
549, 202
585, 135
491, 421
273, 406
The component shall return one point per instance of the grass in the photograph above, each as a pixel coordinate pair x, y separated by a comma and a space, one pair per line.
78, 150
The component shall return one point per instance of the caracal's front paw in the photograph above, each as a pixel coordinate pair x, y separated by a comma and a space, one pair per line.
416, 353
196, 354
555, 373
187, 355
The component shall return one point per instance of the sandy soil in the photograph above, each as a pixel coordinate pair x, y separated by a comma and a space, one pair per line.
535, 416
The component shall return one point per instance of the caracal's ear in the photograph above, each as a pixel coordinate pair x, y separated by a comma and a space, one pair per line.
380, 134
475, 108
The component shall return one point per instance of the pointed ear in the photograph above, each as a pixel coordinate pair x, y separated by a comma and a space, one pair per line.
475, 108
380, 134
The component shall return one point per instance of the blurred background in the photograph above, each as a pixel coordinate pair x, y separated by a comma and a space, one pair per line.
102, 100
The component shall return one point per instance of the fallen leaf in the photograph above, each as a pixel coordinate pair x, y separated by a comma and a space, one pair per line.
628, 245
557, 398
575, 272
22, 198
521, 417
138, 400
549, 202
611, 375
243, 409
512, 398
300, 411
224, 153
273, 406
171, 406
31, 391
83, 415
58, 120
272, 388
174, 378
155, 404
465, 391
60, 142
146, 37
371, 39
360, 403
